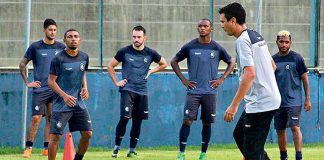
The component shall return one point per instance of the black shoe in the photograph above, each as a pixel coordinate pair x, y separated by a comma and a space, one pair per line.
115, 153
132, 154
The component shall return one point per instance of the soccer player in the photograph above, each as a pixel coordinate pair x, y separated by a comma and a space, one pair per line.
41, 53
291, 72
257, 85
136, 60
203, 56
68, 80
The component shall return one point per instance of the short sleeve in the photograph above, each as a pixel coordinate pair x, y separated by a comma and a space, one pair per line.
182, 54
224, 56
245, 54
29, 53
55, 66
301, 67
120, 55
156, 57
87, 63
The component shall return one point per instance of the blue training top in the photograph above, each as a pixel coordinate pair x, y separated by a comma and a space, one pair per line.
42, 54
203, 61
135, 65
288, 76
69, 71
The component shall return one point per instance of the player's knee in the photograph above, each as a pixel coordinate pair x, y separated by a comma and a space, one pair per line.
55, 138
187, 122
281, 132
295, 130
87, 134
36, 119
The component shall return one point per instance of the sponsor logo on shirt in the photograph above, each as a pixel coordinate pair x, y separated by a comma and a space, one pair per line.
262, 44
187, 111
44, 54
131, 59
145, 60
68, 68
126, 109
81, 66
197, 53
56, 52
37, 108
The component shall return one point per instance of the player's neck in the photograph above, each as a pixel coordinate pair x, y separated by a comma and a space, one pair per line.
284, 53
239, 29
140, 48
71, 52
204, 39
48, 41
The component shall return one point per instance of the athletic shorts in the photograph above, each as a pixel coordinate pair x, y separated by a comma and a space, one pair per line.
79, 120
39, 102
133, 105
287, 117
208, 107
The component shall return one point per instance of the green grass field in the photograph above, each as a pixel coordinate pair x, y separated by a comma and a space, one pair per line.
215, 152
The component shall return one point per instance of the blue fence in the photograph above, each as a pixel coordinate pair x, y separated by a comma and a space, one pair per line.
166, 101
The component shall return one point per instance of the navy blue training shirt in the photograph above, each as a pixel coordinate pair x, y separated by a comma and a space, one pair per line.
203, 61
42, 54
69, 71
135, 65
289, 70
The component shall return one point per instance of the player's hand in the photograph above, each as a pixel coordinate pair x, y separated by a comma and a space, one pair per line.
189, 84
121, 83
307, 105
34, 84
84, 93
148, 74
216, 82
70, 100
230, 113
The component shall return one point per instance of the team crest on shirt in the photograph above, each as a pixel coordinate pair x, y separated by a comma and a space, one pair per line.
212, 54
287, 67
37, 108
58, 124
81, 66
145, 60
126, 109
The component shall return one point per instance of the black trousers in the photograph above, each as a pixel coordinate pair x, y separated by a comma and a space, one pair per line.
251, 132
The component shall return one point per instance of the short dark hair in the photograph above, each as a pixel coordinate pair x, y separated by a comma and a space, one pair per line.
234, 10
69, 30
207, 19
139, 28
49, 22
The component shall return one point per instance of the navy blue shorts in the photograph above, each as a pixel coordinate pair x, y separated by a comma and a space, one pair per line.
79, 120
208, 107
39, 102
287, 117
133, 105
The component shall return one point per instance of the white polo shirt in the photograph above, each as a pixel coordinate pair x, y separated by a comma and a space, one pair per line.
264, 94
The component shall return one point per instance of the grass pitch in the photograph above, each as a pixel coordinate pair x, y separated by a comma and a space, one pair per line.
215, 152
